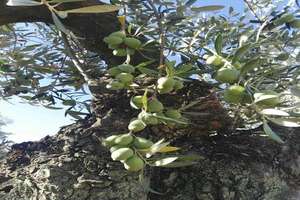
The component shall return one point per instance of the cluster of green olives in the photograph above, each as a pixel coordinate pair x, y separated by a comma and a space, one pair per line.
235, 93
288, 19
122, 76
225, 73
125, 147
121, 44
153, 114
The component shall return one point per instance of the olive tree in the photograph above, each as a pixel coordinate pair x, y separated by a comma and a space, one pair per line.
192, 102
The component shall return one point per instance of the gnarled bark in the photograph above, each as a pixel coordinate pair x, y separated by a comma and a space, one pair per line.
73, 165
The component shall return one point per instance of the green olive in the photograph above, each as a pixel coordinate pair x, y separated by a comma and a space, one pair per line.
142, 143
155, 106
125, 78
124, 139
132, 43
227, 75
234, 94
122, 154
136, 125
134, 164
165, 85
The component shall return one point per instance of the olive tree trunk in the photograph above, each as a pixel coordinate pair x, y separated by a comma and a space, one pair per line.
73, 165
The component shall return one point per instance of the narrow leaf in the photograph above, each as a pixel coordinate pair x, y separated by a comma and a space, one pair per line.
190, 2
64, 1
23, 3
147, 71
180, 164
168, 149
171, 119
207, 8
59, 24
218, 44
155, 148
271, 134
261, 97
250, 65
94, 9
276, 112
285, 122
170, 68
164, 161
240, 52
145, 100
190, 157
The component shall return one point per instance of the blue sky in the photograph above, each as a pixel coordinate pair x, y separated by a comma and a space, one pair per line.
34, 122
31, 122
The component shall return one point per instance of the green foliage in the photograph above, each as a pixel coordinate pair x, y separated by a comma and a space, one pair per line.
253, 65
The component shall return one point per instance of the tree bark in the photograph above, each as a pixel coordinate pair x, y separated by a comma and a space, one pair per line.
73, 165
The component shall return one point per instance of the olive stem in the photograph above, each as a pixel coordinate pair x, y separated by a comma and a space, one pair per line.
161, 33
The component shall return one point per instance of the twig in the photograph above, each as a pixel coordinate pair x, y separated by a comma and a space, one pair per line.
74, 59
252, 10
161, 32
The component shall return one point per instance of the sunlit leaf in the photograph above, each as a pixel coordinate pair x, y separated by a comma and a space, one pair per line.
168, 149
156, 147
94, 9
262, 97
164, 161
285, 122
23, 3
276, 112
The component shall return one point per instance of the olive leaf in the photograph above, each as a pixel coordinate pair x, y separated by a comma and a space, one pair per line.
59, 24
240, 52
271, 133
250, 65
23, 3
63, 1
168, 149
164, 161
261, 97
218, 44
207, 8
145, 100
276, 112
287, 122
176, 164
94, 9
156, 147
